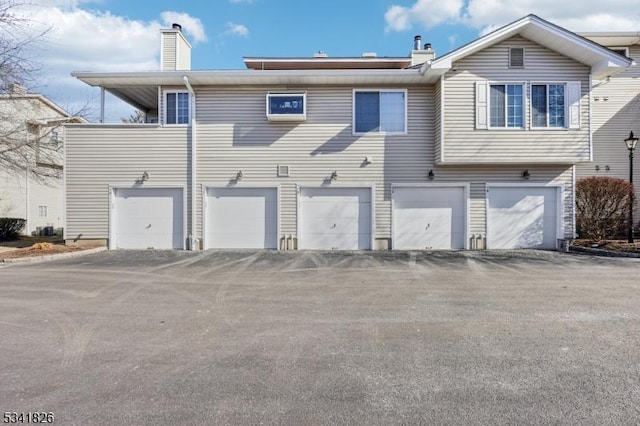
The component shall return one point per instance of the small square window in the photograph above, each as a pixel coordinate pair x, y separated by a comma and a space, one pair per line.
42, 211
177, 108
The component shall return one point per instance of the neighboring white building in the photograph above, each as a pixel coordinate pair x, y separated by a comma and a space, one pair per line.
473, 149
31, 186
616, 112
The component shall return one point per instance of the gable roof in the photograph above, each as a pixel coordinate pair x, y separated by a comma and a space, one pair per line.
603, 62
65, 116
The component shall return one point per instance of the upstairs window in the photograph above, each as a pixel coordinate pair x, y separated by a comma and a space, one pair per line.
506, 105
554, 105
177, 108
380, 111
548, 105
286, 106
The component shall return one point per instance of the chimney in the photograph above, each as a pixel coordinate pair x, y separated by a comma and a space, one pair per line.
419, 55
417, 41
175, 50
17, 89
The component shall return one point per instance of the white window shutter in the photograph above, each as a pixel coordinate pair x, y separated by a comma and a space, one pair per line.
574, 94
482, 105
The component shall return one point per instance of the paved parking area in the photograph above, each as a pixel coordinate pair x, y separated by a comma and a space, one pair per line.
491, 338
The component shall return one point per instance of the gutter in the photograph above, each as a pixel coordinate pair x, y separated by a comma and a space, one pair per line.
192, 233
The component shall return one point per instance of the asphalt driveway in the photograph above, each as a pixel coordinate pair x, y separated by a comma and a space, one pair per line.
153, 337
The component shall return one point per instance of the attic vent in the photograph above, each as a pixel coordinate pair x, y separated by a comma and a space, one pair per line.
620, 50
516, 57
283, 171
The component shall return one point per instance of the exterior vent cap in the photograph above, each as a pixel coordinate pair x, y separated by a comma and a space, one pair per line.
320, 54
369, 55
516, 57
177, 27
283, 171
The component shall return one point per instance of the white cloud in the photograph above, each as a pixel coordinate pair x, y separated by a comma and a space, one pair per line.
236, 30
193, 26
87, 40
574, 15
65, 4
429, 13
485, 15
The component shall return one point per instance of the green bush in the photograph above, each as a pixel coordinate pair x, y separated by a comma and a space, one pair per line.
602, 207
10, 227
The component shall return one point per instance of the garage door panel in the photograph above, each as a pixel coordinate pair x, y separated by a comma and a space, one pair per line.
336, 241
429, 218
335, 218
335, 225
522, 217
241, 218
148, 218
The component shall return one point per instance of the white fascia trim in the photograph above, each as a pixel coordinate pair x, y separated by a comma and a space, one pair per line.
442, 119
175, 78
513, 28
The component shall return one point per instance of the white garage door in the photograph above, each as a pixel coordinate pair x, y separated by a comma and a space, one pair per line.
147, 218
334, 219
429, 218
522, 217
241, 218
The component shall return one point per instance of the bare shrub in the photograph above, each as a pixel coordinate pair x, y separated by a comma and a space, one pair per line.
602, 207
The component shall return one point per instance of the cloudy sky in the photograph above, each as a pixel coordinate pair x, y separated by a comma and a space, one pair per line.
123, 35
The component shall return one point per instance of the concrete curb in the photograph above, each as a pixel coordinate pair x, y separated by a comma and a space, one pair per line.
601, 252
44, 258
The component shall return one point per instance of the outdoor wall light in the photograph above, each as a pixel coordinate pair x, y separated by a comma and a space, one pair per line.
526, 175
145, 176
431, 175
334, 175
239, 175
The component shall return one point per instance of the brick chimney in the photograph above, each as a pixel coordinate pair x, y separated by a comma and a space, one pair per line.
175, 50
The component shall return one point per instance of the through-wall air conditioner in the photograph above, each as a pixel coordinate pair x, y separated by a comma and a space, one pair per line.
285, 106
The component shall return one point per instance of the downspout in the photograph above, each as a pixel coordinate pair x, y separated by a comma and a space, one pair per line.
102, 99
192, 232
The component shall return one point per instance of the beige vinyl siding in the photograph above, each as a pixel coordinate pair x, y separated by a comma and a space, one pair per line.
464, 144
183, 55
101, 155
169, 51
477, 208
615, 107
437, 119
234, 134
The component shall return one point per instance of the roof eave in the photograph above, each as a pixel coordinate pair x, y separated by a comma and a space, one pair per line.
615, 62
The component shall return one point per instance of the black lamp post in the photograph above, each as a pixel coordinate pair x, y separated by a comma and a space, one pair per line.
631, 143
